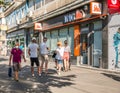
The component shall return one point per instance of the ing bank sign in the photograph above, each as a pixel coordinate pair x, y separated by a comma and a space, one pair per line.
78, 14
95, 9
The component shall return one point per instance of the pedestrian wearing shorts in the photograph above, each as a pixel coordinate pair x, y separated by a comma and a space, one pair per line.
66, 56
33, 49
59, 56
15, 57
44, 50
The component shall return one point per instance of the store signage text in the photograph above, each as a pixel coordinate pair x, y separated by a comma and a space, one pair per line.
78, 14
95, 8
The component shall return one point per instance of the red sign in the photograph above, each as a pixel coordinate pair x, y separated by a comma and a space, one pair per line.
113, 6
37, 26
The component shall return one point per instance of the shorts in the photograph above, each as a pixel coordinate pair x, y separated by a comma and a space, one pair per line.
66, 55
16, 66
44, 58
34, 60
59, 61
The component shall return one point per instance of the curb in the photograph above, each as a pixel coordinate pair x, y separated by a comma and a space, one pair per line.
116, 71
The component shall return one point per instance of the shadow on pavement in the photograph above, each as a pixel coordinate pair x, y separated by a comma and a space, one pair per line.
3, 59
29, 84
114, 77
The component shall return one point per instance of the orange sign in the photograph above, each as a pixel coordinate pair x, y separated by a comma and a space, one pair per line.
37, 26
80, 14
76, 40
95, 8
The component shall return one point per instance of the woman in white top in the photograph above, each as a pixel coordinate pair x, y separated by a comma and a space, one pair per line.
66, 55
59, 56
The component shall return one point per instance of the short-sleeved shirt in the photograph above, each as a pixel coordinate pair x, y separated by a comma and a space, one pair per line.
43, 48
60, 52
33, 50
16, 54
67, 49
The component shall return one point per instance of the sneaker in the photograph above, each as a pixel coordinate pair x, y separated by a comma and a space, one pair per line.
33, 75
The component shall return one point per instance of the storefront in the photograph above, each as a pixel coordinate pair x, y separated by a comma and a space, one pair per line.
83, 32
17, 36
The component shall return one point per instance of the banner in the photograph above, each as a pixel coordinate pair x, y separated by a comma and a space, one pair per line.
76, 40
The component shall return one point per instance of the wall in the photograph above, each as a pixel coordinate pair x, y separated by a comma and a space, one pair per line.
113, 26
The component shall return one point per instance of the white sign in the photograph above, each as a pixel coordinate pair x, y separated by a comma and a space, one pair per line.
95, 8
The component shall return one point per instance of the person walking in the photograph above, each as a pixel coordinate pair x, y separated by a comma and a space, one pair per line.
44, 50
15, 57
59, 56
66, 56
33, 49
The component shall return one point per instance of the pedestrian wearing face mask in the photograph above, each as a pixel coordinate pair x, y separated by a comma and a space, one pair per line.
15, 59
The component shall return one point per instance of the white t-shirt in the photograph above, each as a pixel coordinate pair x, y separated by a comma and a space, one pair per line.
60, 52
33, 50
67, 49
43, 48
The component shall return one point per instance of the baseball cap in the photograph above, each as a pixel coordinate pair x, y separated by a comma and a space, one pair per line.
33, 38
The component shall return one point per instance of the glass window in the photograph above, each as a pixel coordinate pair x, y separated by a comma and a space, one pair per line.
54, 39
48, 1
63, 34
31, 5
48, 39
71, 39
37, 4
98, 25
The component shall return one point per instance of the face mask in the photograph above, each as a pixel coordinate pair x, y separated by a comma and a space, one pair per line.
17, 46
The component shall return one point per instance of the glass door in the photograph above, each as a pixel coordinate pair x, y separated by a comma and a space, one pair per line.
84, 48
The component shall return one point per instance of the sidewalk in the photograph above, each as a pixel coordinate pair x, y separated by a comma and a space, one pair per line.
116, 70
78, 80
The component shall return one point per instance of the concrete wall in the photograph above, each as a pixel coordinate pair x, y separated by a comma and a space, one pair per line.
113, 25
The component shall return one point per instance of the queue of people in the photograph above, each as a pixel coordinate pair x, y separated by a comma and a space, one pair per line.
62, 56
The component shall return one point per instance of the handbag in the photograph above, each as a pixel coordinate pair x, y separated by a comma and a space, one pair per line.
10, 71
54, 54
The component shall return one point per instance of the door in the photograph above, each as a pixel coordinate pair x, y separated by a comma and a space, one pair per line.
97, 51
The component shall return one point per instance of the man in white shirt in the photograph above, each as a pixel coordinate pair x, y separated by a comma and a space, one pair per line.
44, 50
33, 52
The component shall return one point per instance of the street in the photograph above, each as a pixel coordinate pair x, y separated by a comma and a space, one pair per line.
77, 80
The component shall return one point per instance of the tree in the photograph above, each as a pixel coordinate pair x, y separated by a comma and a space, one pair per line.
3, 3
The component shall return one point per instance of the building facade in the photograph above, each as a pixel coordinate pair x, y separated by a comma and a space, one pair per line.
84, 23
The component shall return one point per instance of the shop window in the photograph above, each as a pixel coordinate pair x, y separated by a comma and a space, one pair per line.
71, 39
47, 34
54, 39
63, 34
98, 25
